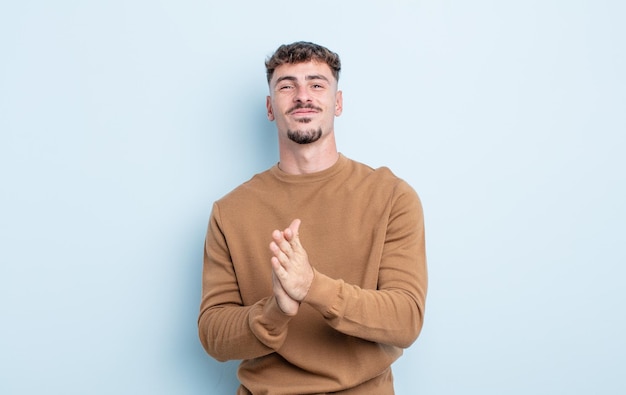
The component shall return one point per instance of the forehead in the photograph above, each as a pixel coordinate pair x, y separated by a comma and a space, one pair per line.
303, 70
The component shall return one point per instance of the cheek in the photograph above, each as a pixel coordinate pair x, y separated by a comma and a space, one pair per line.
282, 103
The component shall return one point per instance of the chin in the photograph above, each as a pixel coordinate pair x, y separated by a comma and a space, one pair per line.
305, 136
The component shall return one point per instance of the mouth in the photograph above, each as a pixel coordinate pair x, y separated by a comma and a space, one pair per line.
304, 111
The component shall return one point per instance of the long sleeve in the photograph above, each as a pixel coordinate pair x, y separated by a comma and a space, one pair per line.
393, 313
363, 231
227, 328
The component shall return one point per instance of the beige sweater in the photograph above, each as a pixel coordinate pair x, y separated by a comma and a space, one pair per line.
363, 231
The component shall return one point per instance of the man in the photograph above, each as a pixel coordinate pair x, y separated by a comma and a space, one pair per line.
326, 304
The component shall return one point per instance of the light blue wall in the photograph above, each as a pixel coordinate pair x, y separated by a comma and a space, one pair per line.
122, 121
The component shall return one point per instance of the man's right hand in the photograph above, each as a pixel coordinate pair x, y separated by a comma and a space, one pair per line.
285, 302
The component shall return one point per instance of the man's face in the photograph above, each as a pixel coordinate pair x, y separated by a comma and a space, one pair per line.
304, 101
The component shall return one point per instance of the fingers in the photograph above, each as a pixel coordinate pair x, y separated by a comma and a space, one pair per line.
291, 233
290, 263
278, 268
286, 304
288, 239
280, 251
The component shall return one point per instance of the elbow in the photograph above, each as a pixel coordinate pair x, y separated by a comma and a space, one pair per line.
210, 345
409, 338
414, 329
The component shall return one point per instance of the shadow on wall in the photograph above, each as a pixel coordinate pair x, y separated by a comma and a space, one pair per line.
203, 373
258, 151
261, 133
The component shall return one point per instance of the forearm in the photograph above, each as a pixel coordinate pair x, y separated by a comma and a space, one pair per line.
242, 332
391, 311
229, 329
388, 316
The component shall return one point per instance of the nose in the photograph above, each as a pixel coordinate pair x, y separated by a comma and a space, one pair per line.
302, 95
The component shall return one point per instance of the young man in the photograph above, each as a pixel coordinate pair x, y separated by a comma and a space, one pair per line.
329, 302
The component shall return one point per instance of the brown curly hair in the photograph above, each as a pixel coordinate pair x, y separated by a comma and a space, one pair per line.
300, 52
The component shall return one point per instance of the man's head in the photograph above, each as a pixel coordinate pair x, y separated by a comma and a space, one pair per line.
304, 97
302, 52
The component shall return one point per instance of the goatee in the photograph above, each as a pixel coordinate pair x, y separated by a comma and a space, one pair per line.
304, 136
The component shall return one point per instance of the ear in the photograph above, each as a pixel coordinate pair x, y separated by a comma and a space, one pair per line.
338, 103
270, 111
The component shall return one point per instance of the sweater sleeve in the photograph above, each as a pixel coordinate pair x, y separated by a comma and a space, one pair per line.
393, 313
228, 329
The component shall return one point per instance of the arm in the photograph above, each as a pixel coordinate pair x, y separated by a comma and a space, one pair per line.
393, 313
227, 328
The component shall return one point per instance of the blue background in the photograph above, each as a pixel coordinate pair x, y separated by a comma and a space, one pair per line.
122, 121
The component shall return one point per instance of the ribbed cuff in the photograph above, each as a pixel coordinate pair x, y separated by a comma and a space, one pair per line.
325, 296
269, 324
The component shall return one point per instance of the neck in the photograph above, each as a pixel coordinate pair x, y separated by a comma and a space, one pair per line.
307, 158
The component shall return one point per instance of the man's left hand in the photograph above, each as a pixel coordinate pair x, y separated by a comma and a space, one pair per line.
290, 262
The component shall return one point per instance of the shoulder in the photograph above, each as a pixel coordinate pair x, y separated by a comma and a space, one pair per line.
381, 177
250, 189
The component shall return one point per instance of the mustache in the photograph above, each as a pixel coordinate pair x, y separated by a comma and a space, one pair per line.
301, 106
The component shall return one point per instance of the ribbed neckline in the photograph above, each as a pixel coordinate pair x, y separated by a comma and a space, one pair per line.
335, 169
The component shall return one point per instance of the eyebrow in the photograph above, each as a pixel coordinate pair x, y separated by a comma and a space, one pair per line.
308, 78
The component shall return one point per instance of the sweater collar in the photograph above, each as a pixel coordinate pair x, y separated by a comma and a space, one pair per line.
310, 177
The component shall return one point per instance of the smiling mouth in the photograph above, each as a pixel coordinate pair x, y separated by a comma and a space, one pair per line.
304, 110
304, 113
